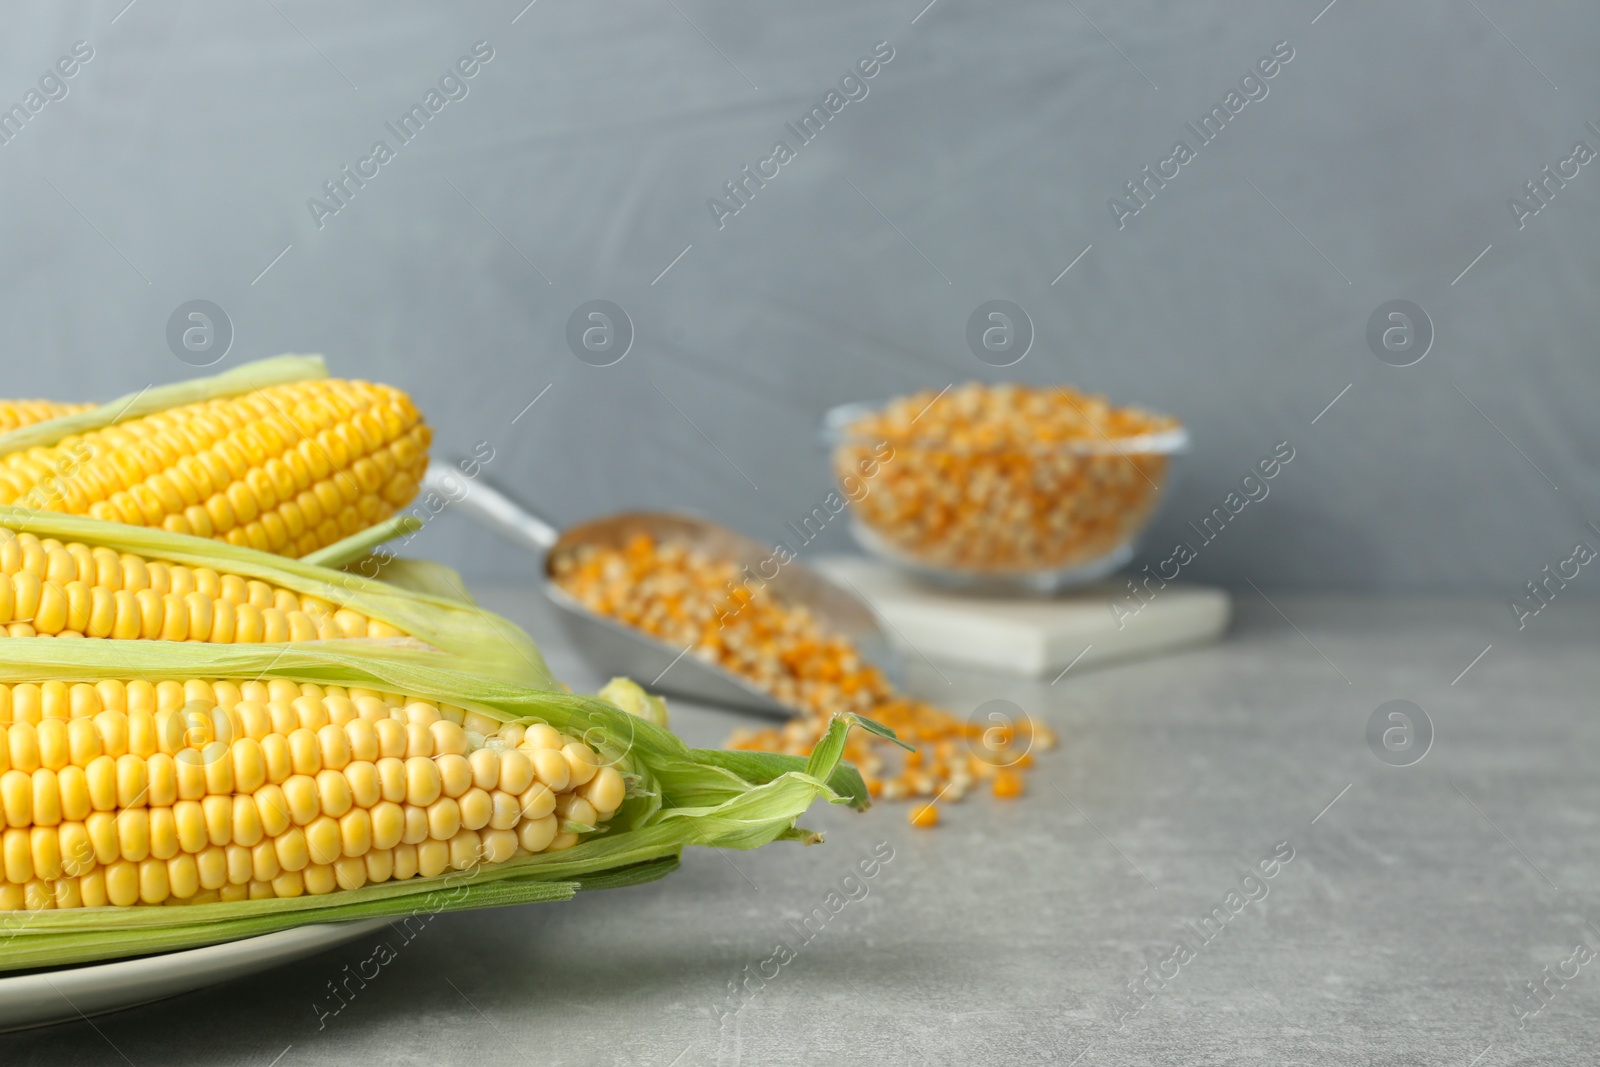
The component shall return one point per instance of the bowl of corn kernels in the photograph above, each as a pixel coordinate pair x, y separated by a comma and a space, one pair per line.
1011, 486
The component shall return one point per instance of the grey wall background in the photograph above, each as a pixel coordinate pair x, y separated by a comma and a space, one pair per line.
180, 164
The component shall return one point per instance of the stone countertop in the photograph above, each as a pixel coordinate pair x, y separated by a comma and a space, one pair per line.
1407, 908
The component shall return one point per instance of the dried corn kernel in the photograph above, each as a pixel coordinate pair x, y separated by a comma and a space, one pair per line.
687, 598
1002, 479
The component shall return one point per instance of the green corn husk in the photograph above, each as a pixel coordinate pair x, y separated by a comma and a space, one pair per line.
359, 545
476, 639
245, 378
677, 797
424, 576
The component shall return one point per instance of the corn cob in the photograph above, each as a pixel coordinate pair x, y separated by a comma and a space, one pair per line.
307, 751
65, 576
287, 469
14, 414
51, 589
131, 793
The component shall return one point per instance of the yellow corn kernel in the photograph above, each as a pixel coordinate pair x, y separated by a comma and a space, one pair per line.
288, 884
323, 840
320, 879
423, 781
241, 863
305, 752
539, 735
551, 768
163, 834
535, 835
455, 774
245, 821
581, 764
154, 883
218, 814
211, 867
273, 809
189, 819
362, 738
23, 747
76, 849
133, 834
498, 845
55, 751
83, 742
573, 809
17, 849
506, 812
122, 883
485, 764
276, 755
142, 731
355, 832
254, 718
516, 772
387, 825
606, 791
416, 825
46, 798
433, 858
465, 849
350, 873
45, 845
300, 793
419, 741
392, 738
536, 802
477, 808
404, 861
264, 865
249, 765
191, 774
444, 819
163, 771
293, 851
92, 890
333, 792
73, 784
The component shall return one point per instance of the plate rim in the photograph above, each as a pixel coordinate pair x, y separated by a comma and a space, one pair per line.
191, 968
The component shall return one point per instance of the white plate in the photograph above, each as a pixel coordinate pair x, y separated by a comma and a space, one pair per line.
69, 993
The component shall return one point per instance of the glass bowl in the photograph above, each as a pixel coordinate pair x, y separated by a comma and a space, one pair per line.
1034, 516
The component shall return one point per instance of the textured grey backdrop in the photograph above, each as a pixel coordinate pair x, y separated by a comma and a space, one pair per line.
979, 165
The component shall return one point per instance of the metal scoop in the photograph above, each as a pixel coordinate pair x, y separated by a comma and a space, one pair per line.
615, 648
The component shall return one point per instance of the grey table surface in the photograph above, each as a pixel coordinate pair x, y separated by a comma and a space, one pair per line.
1417, 904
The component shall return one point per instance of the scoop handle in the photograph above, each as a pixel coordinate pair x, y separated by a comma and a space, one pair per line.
492, 508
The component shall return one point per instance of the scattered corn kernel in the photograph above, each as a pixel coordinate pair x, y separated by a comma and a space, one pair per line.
1007, 784
685, 597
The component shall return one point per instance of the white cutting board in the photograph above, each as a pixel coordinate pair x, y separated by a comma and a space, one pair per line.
1032, 637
